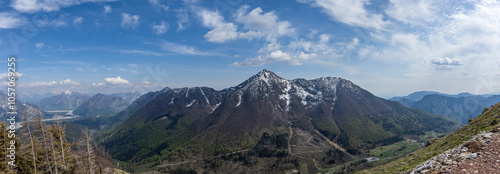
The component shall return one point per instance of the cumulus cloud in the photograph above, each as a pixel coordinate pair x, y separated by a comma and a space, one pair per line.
116, 81
221, 31
107, 9
446, 61
130, 21
33, 6
9, 20
261, 24
160, 28
68, 82
98, 84
351, 12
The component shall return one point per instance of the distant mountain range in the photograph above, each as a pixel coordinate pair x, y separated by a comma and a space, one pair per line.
128, 96
72, 100
460, 107
21, 108
101, 105
324, 121
64, 101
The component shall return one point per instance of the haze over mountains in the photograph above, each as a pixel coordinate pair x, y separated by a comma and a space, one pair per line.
460, 107
313, 116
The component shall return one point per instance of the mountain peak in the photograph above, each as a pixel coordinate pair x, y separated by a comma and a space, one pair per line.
265, 75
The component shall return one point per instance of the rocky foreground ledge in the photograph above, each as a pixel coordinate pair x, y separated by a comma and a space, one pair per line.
481, 154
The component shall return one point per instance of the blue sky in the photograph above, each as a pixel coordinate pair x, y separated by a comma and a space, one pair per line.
387, 47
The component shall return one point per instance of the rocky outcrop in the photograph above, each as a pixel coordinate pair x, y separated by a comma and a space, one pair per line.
465, 157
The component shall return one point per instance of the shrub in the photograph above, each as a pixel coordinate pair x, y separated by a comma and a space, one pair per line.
474, 146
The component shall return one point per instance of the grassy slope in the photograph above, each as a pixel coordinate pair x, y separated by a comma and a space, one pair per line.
481, 123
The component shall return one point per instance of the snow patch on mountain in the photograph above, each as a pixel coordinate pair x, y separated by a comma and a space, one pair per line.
215, 107
286, 94
189, 105
204, 95
239, 99
172, 101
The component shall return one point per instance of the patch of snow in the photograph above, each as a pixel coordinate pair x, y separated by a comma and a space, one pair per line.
265, 77
67, 92
286, 95
215, 107
187, 92
204, 95
334, 97
239, 99
172, 101
189, 105
303, 95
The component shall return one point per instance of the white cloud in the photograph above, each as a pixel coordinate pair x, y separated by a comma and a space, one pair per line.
3, 76
77, 20
412, 12
68, 82
9, 20
300, 51
221, 30
275, 56
446, 61
182, 19
160, 28
56, 22
182, 49
33, 6
116, 81
41, 83
98, 84
148, 53
39, 46
65, 83
261, 24
158, 4
130, 21
107, 9
351, 12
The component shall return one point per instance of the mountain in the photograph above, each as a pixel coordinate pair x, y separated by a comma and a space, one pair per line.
128, 96
416, 96
136, 104
21, 107
26, 97
460, 107
101, 105
64, 101
486, 121
325, 121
